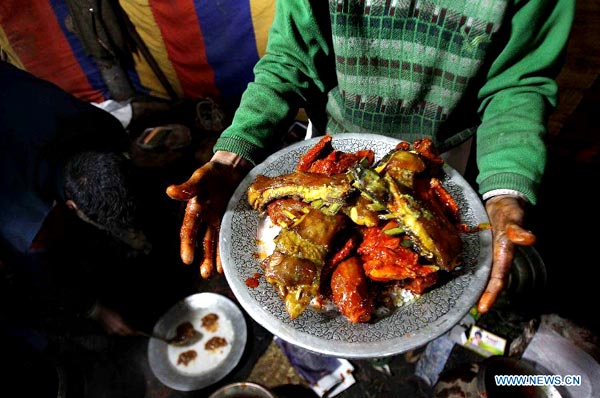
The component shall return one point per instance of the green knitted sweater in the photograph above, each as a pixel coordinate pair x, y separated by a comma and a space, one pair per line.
445, 69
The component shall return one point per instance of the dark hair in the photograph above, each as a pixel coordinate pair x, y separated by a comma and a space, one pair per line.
99, 184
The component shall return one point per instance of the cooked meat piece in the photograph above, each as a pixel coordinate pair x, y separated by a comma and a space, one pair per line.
350, 290
183, 332
210, 322
295, 267
435, 237
215, 343
308, 187
186, 357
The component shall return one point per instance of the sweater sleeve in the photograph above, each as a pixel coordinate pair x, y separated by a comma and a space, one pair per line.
518, 96
285, 79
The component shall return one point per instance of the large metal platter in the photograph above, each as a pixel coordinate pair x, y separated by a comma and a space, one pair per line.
329, 333
210, 365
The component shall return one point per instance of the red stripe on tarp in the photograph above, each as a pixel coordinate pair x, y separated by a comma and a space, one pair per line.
36, 37
185, 46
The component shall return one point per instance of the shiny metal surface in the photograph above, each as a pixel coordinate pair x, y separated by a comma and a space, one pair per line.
497, 365
528, 272
242, 390
329, 333
193, 308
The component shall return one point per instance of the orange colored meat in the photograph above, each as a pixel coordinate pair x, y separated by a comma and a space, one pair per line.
343, 253
384, 257
425, 148
339, 162
323, 159
421, 283
350, 291
318, 151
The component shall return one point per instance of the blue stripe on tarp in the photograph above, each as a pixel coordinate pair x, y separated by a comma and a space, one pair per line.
230, 44
134, 78
89, 67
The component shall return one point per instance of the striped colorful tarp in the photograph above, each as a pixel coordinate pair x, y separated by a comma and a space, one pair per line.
204, 48
35, 36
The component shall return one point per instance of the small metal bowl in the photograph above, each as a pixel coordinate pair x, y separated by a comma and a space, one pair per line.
242, 390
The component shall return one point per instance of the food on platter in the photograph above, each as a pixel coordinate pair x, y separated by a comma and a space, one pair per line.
354, 232
295, 267
214, 343
186, 357
210, 322
216, 338
208, 366
350, 290
185, 335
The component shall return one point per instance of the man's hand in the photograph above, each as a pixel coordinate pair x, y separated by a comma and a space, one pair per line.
207, 193
111, 321
506, 215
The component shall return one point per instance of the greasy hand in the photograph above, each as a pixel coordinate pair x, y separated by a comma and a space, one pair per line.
506, 214
111, 321
207, 193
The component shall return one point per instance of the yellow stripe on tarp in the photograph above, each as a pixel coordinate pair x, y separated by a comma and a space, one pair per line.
8, 50
263, 13
140, 14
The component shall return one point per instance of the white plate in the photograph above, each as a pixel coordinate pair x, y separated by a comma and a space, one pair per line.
330, 333
209, 366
